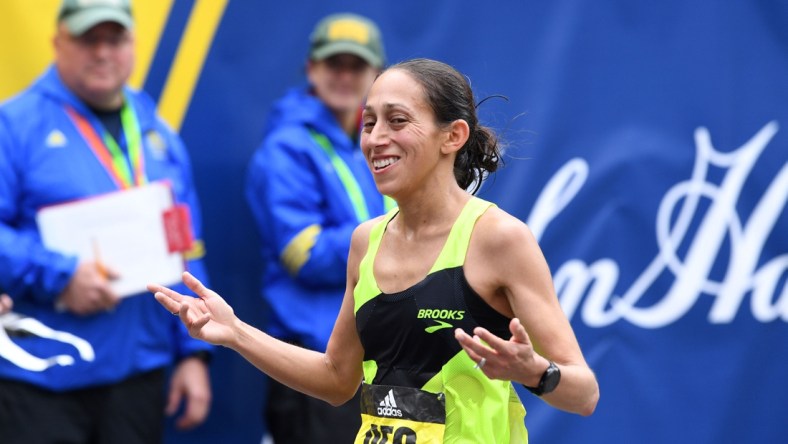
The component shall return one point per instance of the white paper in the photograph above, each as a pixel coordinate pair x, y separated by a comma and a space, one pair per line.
123, 230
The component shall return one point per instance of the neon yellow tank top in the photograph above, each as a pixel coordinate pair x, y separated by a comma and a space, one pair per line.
408, 339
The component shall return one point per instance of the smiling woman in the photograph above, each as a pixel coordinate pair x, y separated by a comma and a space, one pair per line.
450, 102
443, 258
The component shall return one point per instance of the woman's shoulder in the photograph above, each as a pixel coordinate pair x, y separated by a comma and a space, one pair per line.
359, 244
497, 231
497, 221
362, 232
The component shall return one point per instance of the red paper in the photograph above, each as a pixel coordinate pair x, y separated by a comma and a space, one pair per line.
177, 229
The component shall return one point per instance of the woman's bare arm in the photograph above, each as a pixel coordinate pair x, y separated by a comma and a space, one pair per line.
507, 267
333, 376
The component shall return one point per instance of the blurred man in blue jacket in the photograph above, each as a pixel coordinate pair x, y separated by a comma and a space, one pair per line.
308, 186
92, 366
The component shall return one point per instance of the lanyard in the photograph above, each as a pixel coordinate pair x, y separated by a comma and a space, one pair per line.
349, 181
109, 153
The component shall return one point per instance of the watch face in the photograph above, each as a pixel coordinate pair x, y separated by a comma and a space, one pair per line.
552, 377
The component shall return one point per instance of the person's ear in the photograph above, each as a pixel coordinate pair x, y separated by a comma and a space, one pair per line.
57, 38
309, 69
456, 136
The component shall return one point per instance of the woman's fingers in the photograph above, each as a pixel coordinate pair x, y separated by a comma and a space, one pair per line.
493, 341
201, 321
167, 302
168, 292
473, 346
196, 286
518, 332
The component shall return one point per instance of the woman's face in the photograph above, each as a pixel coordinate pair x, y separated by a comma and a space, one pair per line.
400, 138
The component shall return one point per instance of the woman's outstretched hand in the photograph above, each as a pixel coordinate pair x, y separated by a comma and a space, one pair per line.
207, 317
512, 360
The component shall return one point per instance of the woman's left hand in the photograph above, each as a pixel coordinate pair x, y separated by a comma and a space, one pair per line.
513, 359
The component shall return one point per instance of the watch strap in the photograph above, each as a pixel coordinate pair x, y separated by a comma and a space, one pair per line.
539, 390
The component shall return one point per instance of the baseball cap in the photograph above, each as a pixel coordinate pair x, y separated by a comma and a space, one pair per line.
81, 15
347, 34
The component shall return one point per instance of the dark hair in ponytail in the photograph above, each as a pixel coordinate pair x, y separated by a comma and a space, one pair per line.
449, 95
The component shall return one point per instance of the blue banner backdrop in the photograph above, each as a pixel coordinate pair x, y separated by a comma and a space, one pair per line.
647, 148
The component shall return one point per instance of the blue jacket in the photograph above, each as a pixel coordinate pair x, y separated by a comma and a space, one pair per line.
292, 186
43, 161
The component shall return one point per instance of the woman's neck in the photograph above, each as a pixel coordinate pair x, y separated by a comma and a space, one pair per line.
430, 210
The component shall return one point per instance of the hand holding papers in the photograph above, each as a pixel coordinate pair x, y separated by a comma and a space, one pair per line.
130, 232
5, 303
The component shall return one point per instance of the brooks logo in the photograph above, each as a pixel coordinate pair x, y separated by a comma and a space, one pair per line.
438, 314
441, 325
441, 314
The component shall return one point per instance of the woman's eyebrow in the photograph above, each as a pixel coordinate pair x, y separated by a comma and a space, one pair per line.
388, 106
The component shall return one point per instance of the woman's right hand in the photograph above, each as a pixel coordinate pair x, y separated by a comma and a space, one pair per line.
207, 317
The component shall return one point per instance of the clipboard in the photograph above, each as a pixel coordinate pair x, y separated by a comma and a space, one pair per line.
138, 232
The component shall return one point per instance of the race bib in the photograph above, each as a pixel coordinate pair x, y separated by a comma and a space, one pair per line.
401, 415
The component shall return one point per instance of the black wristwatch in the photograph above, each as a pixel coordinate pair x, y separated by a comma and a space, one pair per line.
549, 381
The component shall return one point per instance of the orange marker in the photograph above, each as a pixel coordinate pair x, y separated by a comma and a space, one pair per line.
97, 258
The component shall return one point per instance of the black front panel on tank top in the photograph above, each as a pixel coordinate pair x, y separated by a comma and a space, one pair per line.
415, 327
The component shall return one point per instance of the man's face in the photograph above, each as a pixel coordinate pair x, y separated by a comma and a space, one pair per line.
341, 81
96, 64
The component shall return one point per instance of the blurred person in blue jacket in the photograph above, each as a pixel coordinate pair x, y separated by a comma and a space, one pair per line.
308, 186
95, 364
